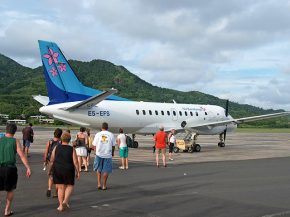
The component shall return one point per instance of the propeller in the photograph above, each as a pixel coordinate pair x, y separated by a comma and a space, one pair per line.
227, 114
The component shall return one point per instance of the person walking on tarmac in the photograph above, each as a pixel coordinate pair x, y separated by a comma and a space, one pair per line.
104, 145
28, 135
64, 168
160, 144
123, 149
171, 142
9, 146
50, 145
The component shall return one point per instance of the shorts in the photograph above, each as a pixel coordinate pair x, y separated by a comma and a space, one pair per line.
8, 178
171, 146
81, 152
123, 152
26, 143
103, 165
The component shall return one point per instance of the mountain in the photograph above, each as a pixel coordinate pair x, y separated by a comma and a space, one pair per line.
19, 83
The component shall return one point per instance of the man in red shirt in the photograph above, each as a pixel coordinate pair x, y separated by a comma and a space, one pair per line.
160, 144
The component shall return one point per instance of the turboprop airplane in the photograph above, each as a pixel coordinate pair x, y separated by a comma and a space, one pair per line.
71, 102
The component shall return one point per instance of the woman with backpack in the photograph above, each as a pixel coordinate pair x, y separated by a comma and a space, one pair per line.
50, 145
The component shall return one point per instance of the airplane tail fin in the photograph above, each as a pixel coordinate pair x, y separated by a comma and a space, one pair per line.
61, 82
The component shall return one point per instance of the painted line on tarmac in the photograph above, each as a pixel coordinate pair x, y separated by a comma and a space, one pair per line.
104, 205
277, 214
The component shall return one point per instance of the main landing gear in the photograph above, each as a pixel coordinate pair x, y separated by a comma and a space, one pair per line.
222, 141
131, 143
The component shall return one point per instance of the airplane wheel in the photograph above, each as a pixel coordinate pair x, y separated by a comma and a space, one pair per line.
197, 148
136, 144
221, 144
175, 150
190, 150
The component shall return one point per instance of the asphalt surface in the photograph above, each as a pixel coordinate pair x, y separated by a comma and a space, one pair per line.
234, 188
215, 182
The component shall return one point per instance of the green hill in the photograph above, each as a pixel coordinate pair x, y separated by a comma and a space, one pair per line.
19, 83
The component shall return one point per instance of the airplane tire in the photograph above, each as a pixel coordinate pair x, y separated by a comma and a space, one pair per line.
175, 150
197, 148
136, 144
190, 149
221, 144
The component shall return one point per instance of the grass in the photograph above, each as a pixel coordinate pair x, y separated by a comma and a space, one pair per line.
263, 130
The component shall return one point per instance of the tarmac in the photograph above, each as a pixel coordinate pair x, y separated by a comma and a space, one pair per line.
249, 177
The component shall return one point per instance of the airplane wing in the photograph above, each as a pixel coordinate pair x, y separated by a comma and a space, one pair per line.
237, 120
92, 101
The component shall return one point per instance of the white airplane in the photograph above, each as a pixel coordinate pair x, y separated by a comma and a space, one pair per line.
71, 102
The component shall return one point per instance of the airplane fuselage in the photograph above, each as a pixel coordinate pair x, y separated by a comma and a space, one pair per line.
142, 117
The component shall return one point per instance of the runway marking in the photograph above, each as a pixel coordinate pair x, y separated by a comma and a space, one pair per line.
184, 194
104, 205
94, 207
277, 214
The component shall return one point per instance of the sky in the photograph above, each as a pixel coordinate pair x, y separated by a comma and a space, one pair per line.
232, 49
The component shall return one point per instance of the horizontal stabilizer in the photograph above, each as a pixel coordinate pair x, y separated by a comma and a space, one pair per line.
92, 101
44, 100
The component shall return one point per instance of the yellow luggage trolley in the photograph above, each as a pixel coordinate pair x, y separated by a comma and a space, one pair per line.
186, 146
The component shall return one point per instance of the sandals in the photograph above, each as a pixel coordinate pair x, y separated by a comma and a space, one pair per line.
9, 214
65, 205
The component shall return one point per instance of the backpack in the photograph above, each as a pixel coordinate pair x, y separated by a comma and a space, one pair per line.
51, 146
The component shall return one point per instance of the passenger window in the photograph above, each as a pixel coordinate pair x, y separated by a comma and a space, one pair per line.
144, 112
185, 113
137, 112
174, 113
180, 113
196, 113
168, 113
162, 112
191, 114
150, 112
156, 112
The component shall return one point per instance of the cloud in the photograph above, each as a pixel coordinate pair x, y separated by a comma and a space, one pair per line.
221, 49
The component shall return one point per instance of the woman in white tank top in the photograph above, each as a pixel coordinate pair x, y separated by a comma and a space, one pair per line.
123, 149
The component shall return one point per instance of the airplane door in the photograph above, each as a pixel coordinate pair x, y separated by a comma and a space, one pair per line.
174, 114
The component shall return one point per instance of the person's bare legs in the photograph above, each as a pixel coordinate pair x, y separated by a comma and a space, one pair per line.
127, 165
123, 163
27, 150
67, 194
105, 177
157, 157
164, 157
50, 183
9, 198
84, 159
80, 163
99, 175
170, 155
88, 159
60, 192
